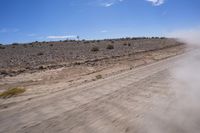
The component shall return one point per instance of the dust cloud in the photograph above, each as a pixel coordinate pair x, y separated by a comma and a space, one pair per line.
182, 113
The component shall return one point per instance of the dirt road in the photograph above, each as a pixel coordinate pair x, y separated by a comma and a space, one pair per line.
115, 104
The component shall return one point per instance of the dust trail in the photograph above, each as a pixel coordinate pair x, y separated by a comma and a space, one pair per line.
182, 115
191, 37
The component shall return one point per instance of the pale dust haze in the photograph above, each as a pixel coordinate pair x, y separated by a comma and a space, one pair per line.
182, 114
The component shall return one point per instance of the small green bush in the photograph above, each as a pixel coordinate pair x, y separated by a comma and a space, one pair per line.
15, 44
40, 53
99, 77
42, 67
25, 45
95, 49
2, 47
85, 42
112, 41
110, 47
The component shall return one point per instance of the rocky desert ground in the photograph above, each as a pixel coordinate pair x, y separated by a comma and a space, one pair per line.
70, 60
19, 58
39, 66
68, 68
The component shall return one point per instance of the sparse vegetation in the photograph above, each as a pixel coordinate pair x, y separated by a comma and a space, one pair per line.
12, 92
86, 42
55, 54
4, 72
93, 41
110, 47
25, 45
95, 49
99, 77
40, 53
2, 47
15, 44
112, 41
42, 67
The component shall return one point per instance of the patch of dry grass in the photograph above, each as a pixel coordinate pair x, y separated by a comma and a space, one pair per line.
95, 49
12, 92
99, 77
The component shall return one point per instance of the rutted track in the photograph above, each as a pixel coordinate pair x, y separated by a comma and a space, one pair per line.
115, 104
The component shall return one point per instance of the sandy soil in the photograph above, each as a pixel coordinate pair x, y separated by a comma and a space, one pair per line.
115, 104
47, 82
105, 95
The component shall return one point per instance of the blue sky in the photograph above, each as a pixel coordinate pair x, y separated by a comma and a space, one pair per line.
38, 20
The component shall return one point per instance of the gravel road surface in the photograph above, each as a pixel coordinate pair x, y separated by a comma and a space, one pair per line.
117, 104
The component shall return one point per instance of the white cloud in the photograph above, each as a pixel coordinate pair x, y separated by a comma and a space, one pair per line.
109, 3
61, 37
156, 2
104, 31
5, 30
